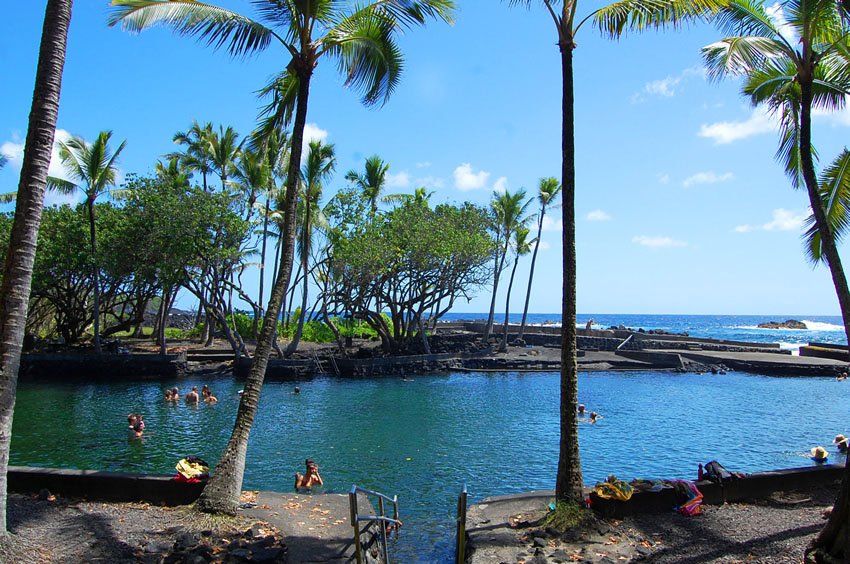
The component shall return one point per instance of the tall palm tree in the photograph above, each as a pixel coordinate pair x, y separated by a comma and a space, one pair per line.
372, 181
547, 192
224, 153
360, 38
521, 246
793, 67
197, 157
250, 176
509, 214
613, 20
318, 168
17, 269
94, 168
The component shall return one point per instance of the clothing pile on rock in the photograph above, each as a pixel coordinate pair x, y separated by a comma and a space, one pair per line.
192, 470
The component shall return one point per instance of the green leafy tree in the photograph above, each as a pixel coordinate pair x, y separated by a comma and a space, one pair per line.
93, 167
613, 20
361, 39
793, 66
547, 194
17, 268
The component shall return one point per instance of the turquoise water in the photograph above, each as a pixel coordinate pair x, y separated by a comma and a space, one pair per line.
423, 439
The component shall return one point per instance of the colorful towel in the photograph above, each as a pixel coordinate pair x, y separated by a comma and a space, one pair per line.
692, 497
613, 488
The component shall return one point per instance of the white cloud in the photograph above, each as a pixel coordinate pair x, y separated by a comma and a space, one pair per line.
423, 164
466, 179
400, 180
550, 224
597, 215
725, 132
777, 16
14, 151
783, 220
544, 245
313, 132
663, 178
432, 182
708, 177
657, 242
836, 117
666, 87
501, 185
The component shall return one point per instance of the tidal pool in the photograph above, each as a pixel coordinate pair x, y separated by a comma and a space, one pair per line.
423, 439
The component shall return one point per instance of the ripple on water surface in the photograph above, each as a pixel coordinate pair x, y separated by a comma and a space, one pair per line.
423, 439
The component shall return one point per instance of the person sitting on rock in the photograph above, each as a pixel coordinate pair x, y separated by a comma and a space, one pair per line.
192, 397
310, 478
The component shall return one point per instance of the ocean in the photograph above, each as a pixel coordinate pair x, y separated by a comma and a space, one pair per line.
820, 328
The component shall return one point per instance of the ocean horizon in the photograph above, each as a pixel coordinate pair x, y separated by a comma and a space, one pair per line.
819, 328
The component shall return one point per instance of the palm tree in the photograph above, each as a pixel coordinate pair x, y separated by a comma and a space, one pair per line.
361, 39
198, 154
17, 269
613, 20
93, 166
547, 191
802, 64
508, 215
251, 175
319, 167
372, 181
522, 246
224, 153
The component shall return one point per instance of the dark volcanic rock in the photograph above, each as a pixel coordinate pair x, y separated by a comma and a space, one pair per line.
788, 324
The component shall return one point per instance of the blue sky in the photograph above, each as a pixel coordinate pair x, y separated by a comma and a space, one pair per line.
681, 207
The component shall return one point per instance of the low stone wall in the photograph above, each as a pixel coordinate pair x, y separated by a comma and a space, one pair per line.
396, 365
104, 366
103, 486
821, 351
657, 359
283, 369
754, 486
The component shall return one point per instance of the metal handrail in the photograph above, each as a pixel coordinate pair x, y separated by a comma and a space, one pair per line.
460, 545
621, 345
381, 517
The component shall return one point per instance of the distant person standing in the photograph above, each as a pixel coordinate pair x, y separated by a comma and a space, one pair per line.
192, 397
589, 326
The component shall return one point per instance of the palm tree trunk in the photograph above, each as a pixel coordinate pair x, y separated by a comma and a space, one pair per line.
95, 277
221, 495
504, 346
834, 538
531, 273
499, 264
262, 265
568, 484
305, 245
17, 270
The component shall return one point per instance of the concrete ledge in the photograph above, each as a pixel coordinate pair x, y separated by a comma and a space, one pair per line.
103, 486
103, 366
656, 358
758, 485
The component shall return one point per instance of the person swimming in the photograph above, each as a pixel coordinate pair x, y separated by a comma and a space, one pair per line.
311, 476
594, 417
209, 397
192, 397
581, 409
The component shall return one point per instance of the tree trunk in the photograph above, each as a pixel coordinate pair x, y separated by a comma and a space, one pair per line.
834, 538
305, 246
221, 495
497, 264
568, 484
256, 323
531, 272
504, 346
95, 276
17, 269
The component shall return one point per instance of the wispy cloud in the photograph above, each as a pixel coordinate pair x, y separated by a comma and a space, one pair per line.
707, 177
501, 185
597, 215
399, 180
551, 224
423, 164
663, 178
783, 220
14, 151
466, 179
724, 132
432, 182
666, 87
313, 132
657, 242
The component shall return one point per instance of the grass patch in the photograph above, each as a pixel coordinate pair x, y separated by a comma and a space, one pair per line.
567, 515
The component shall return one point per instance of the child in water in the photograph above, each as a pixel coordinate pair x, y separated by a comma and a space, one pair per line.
310, 478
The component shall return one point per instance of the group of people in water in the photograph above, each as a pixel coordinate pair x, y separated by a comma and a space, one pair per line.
136, 425
582, 412
820, 454
192, 398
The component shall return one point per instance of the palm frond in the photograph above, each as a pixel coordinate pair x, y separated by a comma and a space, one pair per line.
409, 13
277, 114
8, 197
746, 18
61, 185
367, 54
835, 199
217, 27
636, 15
740, 55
